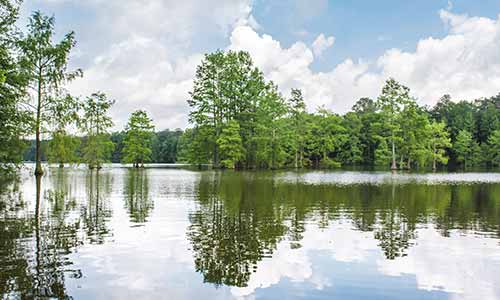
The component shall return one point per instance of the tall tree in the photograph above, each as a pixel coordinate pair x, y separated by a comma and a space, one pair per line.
297, 114
227, 87
63, 146
14, 121
138, 139
439, 141
44, 63
271, 131
465, 148
494, 148
95, 124
393, 97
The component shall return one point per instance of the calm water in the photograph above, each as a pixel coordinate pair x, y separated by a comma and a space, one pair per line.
165, 233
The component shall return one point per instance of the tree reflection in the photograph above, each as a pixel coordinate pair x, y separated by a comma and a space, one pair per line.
231, 232
241, 217
96, 212
35, 240
138, 201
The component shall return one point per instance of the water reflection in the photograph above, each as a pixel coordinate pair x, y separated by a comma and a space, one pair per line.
138, 200
244, 218
75, 233
96, 212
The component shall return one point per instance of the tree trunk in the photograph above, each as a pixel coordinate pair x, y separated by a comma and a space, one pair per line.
38, 167
296, 159
434, 158
393, 166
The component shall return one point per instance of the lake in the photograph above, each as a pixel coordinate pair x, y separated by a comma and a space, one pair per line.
167, 233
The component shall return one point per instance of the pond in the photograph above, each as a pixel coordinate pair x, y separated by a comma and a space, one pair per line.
171, 233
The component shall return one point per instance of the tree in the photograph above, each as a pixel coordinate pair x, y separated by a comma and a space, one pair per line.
14, 121
351, 149
227, 87
164, 146
439, 141
297, 114
465, 148
63, 146
230, 145
271, 130
393, 97
95, 124
138, 139
494, 148
45, 66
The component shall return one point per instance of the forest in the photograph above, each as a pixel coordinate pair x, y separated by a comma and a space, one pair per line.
237, 119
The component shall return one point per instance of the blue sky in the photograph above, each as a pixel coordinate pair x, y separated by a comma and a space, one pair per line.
144, 53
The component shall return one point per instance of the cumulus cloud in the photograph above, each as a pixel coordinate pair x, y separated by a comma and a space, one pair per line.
321, 43
465, 64
144, 55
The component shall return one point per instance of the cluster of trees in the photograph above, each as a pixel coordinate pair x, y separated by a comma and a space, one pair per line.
241, 121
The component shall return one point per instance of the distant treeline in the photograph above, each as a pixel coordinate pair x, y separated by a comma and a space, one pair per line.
164, 147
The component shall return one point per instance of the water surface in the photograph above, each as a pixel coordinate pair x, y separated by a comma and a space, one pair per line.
181, 234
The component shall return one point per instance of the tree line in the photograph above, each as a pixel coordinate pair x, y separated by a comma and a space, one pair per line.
238, 118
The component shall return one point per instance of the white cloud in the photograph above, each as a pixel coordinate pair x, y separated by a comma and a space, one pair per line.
321, 43
465, 64
144, 55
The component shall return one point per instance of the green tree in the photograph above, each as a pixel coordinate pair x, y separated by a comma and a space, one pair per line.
63, 146
138, 139
271, 131
297, 114
351, 151
45, 66
95, 124
465, 148
14, 121
227, 87
390, 102
439, 141
230, 145
494, 148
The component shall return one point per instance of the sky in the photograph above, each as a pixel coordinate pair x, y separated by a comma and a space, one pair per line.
144, 53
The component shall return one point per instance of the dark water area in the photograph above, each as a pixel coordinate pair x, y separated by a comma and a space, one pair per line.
172, 233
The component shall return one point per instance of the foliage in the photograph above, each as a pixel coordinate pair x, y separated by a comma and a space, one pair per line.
14, 121
230, 145
95, 124
138, 139
44, 65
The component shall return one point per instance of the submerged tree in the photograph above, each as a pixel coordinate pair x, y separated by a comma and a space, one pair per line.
63, 146
95, 123
138, 139
44, 63
14, 121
